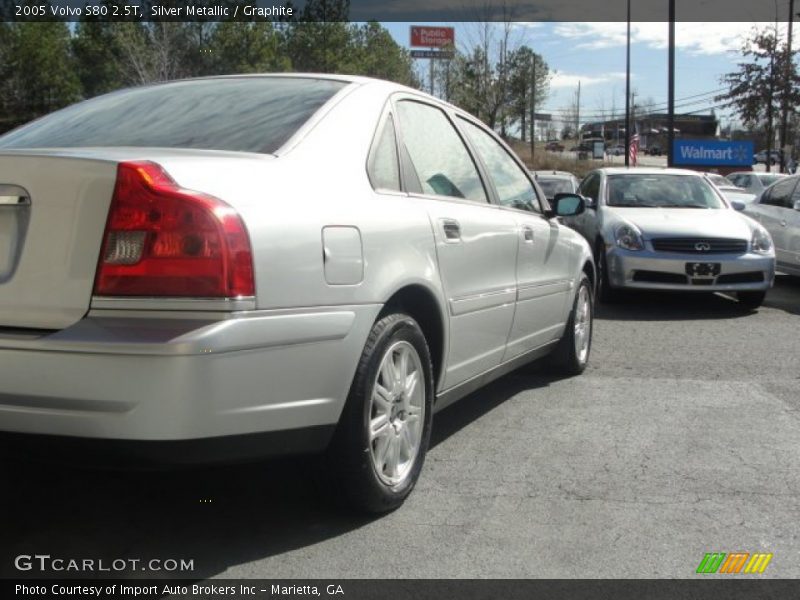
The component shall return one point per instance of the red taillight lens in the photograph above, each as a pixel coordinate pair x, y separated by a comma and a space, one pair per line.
162, 240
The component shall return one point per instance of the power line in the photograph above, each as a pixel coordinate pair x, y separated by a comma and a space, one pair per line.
682, 103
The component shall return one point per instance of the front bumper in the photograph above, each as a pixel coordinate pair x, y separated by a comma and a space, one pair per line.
166, 378
648, 269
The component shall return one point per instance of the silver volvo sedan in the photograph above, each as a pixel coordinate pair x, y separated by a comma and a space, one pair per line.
670, 229
223, 268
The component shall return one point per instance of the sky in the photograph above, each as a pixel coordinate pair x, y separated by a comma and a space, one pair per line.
594, 54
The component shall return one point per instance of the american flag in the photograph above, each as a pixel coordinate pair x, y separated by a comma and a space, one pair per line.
633, 149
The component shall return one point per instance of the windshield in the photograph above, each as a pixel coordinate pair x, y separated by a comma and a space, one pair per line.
661, 191
551, 187
247, 114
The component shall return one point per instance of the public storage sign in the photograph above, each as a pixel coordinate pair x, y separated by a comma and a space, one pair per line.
432, 37
712, 153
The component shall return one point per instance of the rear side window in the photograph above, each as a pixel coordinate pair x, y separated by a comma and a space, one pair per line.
246, 114
439, 157
780, 194
514, 189
591, 186
384, 167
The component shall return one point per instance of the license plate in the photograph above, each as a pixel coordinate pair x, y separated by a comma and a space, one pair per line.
699, 269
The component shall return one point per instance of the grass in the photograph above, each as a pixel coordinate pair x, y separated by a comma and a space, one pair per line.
559, 161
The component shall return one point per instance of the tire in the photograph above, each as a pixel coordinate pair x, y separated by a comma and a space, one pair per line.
571, 355
605, 293
751, 300
374, 472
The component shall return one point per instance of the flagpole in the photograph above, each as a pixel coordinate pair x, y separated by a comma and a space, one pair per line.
671, 85
628, 91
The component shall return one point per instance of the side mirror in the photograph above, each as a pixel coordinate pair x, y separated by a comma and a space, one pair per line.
738, 205
569, 205
797, 204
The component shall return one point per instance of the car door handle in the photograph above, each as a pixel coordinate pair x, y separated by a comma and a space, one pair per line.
527, 234
783, 223
452, 230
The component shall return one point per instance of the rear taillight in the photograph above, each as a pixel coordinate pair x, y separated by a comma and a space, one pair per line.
163, 240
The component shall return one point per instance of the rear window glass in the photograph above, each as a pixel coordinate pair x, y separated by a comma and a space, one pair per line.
551, 187
257, 114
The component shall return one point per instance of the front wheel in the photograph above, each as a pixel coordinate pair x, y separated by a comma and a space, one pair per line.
380, 444
605, 293
751, 300
571, 355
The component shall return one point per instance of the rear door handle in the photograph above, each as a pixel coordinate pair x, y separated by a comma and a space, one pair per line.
452, 230
527, 234
783, 223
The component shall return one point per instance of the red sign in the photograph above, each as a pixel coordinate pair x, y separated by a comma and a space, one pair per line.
432, 37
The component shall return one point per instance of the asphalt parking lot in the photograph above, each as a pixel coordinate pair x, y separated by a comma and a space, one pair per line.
683, 437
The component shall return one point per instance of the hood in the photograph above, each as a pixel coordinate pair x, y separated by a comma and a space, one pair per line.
685, 222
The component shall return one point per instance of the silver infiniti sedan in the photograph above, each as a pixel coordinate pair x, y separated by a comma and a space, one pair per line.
224, 268
670, 229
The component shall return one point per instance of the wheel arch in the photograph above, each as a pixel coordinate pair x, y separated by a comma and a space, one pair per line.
422, 305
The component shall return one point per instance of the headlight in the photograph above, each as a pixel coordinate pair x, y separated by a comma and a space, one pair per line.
628, 237
761, 242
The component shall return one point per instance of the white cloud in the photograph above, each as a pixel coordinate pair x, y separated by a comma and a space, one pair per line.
696, 38
570, 80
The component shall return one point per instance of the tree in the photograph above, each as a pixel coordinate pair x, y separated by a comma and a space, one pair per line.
37, 71
763, 83
247, 48
376, 54
524, 63
320, 38
97, 57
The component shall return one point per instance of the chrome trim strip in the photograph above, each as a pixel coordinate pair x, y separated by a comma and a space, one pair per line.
482, 301
540, 290
193, 304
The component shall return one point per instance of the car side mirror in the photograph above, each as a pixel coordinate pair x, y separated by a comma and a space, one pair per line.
797, 204
739, 205
569, 205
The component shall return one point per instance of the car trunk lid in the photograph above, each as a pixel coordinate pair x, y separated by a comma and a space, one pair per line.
52, 218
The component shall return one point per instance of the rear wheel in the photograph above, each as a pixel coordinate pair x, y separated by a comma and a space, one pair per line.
751, 300
380, 444
571, 355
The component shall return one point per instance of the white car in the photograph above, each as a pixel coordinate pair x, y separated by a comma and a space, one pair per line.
229, 267
670, 229
753, 181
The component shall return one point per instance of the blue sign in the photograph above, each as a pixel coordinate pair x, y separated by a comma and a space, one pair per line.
712, 153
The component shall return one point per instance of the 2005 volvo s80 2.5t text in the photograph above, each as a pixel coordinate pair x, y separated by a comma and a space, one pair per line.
219, 268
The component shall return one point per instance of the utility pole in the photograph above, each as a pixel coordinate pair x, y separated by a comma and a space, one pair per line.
578, 115
787, 91
671, 85
628, 91
533, 110
432, 59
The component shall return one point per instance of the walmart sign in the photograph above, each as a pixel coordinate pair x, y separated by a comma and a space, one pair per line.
712, 153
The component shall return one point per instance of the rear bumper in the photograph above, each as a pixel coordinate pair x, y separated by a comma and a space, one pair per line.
163, 380
647, 269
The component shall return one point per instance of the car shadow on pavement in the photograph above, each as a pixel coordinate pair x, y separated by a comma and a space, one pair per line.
785, 295
217, 517
639, 305
471, 408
